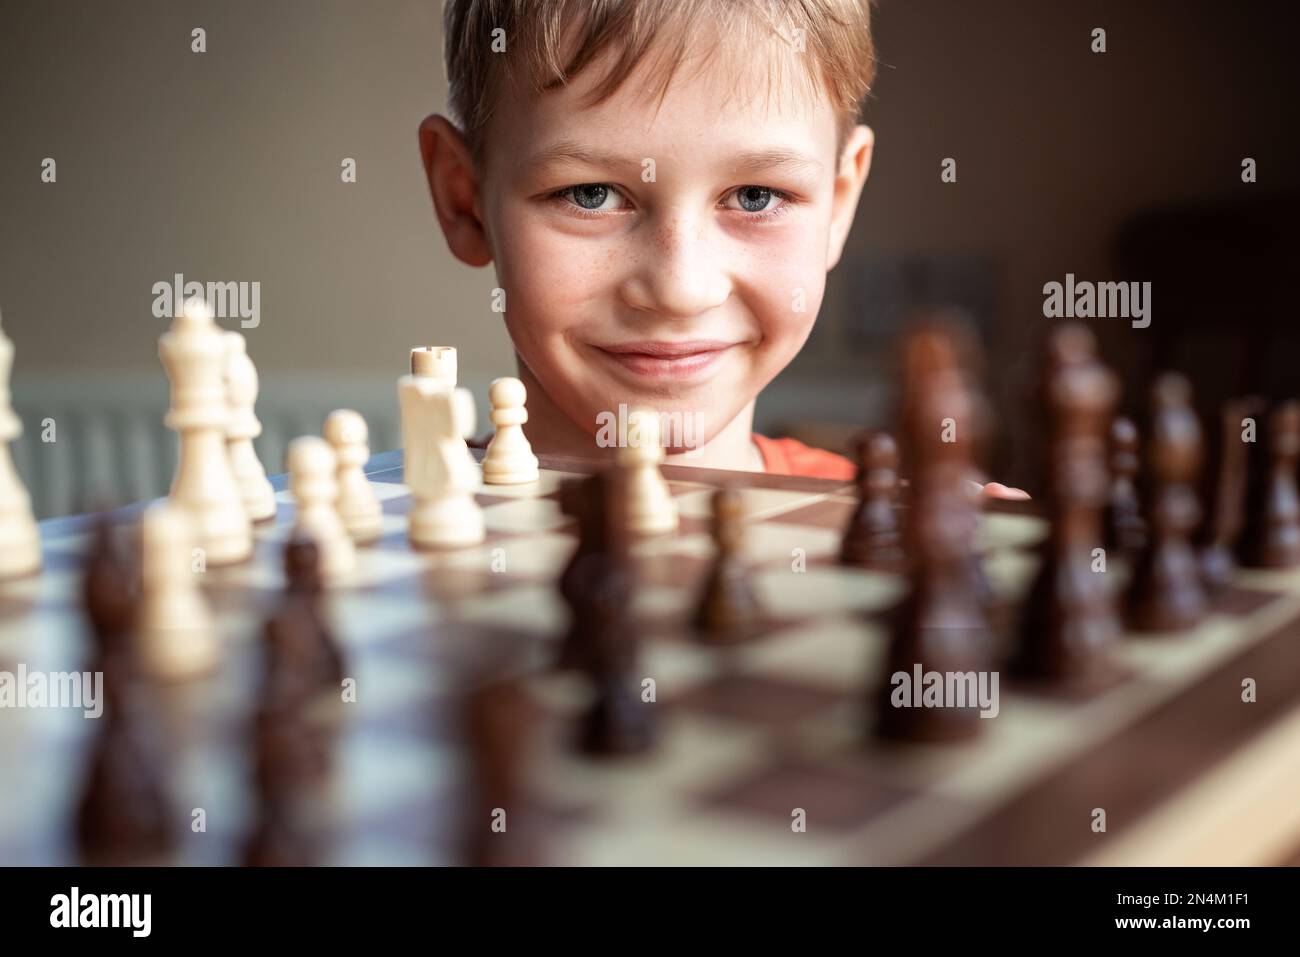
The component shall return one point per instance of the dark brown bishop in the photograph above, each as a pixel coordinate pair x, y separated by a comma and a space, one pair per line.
1271, 536
728, 609
872, 538
941, 626
1166, 594
1070, 622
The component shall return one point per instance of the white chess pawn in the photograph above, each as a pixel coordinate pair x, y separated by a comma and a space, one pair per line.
193, 354
651, 509
438, 468
509, 459
312, 479
362, 515
177, 638
20, 541
242, 428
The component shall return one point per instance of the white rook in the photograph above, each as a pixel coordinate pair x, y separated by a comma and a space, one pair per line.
438, 468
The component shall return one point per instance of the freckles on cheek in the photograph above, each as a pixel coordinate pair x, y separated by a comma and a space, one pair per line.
790, 282
561, 270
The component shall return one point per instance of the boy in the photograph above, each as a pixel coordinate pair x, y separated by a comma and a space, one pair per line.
662, 186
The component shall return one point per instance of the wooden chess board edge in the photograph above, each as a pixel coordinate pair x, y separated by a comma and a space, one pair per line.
1136, 770
1238, 815
384, 462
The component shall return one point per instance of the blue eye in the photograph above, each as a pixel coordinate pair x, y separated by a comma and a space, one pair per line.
754, 199
590, 195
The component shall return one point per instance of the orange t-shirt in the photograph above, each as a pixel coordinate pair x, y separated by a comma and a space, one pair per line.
792, 457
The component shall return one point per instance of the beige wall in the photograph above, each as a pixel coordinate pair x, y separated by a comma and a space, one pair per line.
225, 165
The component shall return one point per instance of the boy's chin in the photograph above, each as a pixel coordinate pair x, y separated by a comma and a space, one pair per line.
683, 425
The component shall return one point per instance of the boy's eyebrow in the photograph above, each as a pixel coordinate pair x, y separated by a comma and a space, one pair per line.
748, 162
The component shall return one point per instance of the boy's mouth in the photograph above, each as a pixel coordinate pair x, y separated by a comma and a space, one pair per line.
659, 359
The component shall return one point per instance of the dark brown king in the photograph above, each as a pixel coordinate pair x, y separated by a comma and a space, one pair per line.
1070, 622
941, 625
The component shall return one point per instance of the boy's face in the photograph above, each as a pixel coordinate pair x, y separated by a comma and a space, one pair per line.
672, 256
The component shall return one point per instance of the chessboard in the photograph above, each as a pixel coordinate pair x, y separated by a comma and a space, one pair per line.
763, 754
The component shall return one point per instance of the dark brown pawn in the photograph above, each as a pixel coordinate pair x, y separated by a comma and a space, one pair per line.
300, 663
124, 816
583, 500
279, 838
498, 720
1070, 622
872, 538
728, 609
941, 625
110, 594
1224, 491
1126, 531
1271, 537
617, 721
1166, 593
289, 758
290, 744
301, 654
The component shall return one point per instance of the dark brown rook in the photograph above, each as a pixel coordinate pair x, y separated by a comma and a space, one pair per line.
1271, 537
872, 538
1166, 593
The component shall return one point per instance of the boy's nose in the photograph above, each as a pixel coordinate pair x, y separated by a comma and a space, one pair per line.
678, 274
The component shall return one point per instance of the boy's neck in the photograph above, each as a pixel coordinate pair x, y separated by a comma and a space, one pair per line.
551, 432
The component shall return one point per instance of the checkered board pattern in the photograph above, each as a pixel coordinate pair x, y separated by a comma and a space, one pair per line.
746, 735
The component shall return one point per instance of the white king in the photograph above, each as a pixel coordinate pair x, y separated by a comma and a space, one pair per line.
193, 354
20, 542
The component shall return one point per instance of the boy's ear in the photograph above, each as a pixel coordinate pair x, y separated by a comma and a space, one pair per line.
855, 163
454, 188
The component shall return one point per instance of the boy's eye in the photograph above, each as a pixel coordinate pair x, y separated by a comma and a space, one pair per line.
754, 199
593, 196
761, 201
590, 195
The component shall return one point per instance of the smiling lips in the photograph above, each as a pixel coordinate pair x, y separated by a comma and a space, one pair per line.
668, 360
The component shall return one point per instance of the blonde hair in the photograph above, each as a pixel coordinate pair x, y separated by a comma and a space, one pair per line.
549, 42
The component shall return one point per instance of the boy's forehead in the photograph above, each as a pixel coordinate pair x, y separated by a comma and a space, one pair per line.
713, 104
